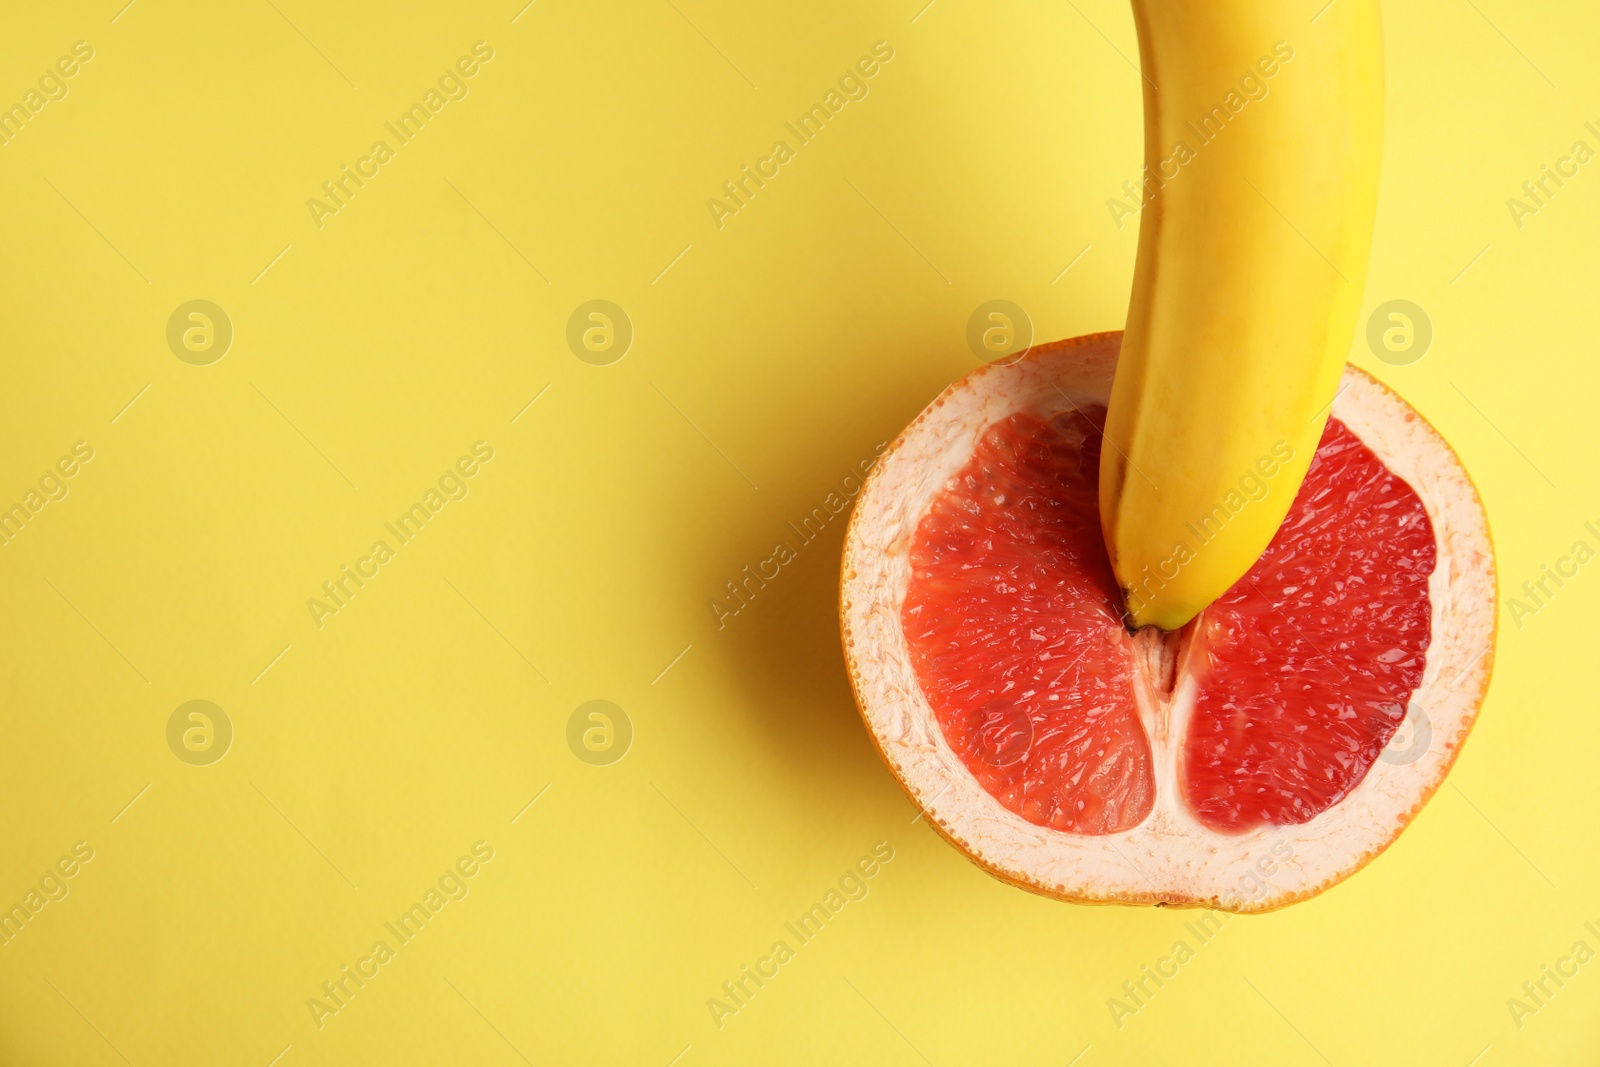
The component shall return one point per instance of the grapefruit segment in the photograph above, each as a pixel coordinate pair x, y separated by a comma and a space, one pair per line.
1311, 659
1239, 763
1014, 625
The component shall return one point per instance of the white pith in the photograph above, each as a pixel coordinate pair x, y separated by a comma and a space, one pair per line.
1169, 857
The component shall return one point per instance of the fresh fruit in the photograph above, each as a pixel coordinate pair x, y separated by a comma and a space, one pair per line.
1262, 144
1248, 760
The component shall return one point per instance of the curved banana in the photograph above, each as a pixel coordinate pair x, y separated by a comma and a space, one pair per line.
1263, 132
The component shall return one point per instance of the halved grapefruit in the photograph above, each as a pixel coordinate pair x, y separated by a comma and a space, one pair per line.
1267, 750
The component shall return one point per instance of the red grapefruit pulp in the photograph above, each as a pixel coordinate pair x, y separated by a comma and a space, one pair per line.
1305, 667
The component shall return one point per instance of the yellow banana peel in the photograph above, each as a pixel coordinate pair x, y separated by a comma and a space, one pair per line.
1263, 134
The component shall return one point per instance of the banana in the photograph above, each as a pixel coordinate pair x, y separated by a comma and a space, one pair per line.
1263, 134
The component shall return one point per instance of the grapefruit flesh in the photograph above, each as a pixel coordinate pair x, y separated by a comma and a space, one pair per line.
1253, 758
1312, 658
1304, 669
1014, 626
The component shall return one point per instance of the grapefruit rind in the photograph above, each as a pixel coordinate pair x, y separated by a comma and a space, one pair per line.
1169, 859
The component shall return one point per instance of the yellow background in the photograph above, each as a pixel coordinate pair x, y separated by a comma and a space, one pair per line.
771, 358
